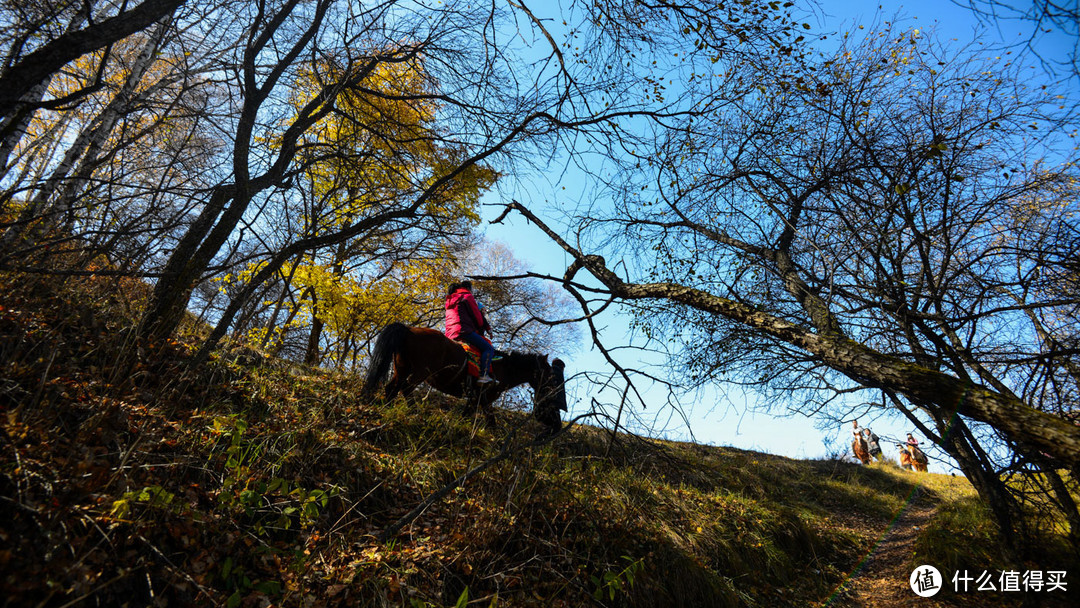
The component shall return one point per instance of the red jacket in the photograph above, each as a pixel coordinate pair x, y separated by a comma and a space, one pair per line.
463, 315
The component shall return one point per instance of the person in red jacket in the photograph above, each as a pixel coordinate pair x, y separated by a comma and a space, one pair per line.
466, 323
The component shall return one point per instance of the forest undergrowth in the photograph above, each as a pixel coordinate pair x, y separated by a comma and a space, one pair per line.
128, 478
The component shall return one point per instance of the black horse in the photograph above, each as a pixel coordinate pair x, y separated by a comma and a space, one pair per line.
420, 355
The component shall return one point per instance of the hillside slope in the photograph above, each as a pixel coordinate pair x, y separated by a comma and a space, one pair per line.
246, 483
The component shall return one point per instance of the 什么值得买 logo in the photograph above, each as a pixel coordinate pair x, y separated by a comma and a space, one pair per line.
925, 581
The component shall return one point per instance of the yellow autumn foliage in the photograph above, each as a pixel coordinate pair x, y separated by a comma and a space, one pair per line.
382, 142
379, 148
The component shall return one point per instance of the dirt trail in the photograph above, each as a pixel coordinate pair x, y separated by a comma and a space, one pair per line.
882, 579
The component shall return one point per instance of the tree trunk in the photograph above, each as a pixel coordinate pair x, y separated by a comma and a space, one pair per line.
54, 55
1066, 503
54, 198
14, 125
272, 323
956, 440
173, 289
229, 202
314, 354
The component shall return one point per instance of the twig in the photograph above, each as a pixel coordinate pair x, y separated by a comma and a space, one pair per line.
356, 503
92, 591
41, 387
174, 569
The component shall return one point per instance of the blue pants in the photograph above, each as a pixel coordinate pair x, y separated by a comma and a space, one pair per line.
487, 351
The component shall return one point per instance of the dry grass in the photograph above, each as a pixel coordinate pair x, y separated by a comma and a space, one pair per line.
244, 485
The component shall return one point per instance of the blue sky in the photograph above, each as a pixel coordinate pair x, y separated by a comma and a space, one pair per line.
724, 415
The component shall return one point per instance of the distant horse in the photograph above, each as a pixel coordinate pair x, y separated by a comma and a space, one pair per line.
859, 447
905, 458
918, 458
420, 355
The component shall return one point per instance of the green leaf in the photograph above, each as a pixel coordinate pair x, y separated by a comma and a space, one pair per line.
463, 599
249, 497
268, 587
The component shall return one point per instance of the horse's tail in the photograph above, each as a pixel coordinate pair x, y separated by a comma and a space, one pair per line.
386, 346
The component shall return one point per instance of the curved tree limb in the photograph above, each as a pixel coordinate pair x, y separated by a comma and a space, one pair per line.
1026, 425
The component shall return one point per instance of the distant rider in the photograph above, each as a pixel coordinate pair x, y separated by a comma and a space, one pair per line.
872, 443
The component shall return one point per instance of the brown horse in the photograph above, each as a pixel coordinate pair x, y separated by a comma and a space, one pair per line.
859, 447
905, 458
918, 458
421, 355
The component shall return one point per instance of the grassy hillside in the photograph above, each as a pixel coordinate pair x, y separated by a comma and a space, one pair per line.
250, 483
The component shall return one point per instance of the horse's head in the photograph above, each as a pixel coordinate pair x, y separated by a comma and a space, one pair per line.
549, 392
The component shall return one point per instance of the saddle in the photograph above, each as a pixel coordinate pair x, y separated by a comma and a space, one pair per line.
472, 358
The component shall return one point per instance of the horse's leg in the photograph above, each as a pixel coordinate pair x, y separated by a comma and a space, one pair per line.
489, 412
407, 387
470, 392
397, 383
403, 385
392, 388
478, 399
401, 381
549, 417
856, 448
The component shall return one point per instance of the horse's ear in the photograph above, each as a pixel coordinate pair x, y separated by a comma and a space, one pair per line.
558, 363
